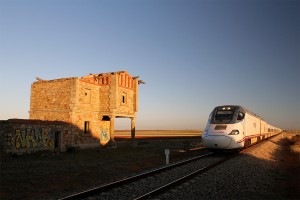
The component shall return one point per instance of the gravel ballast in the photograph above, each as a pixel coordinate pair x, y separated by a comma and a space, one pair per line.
255, 174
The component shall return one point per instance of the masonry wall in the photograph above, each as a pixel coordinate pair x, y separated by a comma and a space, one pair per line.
89, 103
126, 105
52, 100
26, 136
104, 98
127, 95
87, 107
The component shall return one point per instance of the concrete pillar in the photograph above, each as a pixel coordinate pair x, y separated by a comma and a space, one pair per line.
112, 128
132, 128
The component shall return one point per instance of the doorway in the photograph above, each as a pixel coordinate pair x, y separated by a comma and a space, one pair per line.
57, 140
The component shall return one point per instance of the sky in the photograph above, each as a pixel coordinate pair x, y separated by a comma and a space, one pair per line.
192, 54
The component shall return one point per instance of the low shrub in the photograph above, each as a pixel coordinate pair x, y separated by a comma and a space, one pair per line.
296, 144
72, 149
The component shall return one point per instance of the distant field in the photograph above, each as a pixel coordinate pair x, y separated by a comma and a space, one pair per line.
157, 133
293, 131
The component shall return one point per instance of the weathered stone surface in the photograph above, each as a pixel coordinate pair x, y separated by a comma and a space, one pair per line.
74, 111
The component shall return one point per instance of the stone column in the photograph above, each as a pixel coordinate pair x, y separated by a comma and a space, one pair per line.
136, 94
132, 128
112, 128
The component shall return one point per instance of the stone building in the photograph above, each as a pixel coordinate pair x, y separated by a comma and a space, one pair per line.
72, 112
91, 103
22, 136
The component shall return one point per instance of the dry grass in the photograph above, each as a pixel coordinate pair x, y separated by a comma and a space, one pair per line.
294, 138
158, 133
47, 175
295, 147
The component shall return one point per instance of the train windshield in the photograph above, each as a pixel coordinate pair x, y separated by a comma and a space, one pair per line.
224, 115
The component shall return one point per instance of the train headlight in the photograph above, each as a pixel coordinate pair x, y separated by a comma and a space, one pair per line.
234, 132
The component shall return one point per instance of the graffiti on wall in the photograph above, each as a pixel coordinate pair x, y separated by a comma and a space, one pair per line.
104, 132
104, 136
33, 138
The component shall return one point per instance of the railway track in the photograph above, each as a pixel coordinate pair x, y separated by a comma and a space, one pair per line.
158, 181
193, 174
140, 177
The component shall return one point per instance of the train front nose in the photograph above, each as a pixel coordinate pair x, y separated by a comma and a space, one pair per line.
216, 142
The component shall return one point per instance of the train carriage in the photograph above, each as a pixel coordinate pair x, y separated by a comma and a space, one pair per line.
233, 127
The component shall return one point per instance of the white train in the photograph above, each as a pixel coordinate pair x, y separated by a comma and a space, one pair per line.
234, 127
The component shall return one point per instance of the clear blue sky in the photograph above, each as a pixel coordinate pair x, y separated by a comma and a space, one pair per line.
192, 54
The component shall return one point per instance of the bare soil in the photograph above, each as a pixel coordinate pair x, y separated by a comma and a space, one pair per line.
289, 166
48, 175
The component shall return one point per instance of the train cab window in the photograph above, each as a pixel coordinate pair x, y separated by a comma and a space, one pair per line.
240, 116
223, 116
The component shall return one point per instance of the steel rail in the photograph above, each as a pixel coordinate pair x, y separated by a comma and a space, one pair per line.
109, 186
181, 180
185, 178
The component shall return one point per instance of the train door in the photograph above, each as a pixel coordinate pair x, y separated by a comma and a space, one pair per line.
242, 118
241, 124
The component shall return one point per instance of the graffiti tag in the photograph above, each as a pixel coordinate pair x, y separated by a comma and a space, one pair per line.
104, 136
33, 138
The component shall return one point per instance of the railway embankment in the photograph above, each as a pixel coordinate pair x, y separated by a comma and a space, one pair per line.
268, 171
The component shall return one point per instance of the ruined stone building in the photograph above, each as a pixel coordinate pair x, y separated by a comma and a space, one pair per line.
71, 112
91, 103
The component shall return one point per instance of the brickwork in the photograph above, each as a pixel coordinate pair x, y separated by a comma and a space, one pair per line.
51, 100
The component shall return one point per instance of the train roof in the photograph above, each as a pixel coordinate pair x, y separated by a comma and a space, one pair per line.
243, 109
247, 111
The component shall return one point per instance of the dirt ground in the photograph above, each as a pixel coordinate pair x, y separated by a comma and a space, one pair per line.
289, 166
48, 175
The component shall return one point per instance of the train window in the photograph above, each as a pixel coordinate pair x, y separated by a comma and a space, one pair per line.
240, 116
224, 116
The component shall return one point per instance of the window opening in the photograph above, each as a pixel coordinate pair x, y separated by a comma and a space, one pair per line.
86, 127
123, 100
105, 118
87, 96
57, 140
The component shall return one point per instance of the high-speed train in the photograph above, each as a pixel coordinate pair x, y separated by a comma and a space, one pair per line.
234, 127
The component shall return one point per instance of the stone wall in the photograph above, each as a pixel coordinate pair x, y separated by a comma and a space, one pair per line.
26, 136
89, 103
128, 92
51, 100
126, 102
65, 99
104, 99
87, 108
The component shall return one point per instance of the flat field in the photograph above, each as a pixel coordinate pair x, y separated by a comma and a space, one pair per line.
49, 175
158, 133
